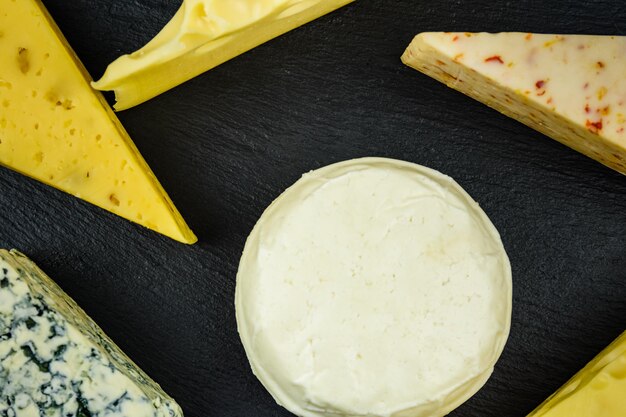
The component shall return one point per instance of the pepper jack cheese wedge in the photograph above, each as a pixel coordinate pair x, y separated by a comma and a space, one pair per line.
599, 390
373, 287
202, 35
55, 128
56, 362
569, 87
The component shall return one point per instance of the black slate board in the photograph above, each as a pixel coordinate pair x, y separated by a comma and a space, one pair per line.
227, 143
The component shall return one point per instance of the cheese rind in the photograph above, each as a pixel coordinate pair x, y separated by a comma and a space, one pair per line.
56, 362
373, 287
599, 389
569, 87
55, 128
202, 35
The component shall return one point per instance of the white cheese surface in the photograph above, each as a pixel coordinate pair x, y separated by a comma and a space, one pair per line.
373, 287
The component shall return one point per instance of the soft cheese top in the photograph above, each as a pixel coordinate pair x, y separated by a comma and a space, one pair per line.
373, 287
581, 77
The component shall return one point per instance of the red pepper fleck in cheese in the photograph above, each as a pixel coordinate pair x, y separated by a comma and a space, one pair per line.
495, 58
569, 87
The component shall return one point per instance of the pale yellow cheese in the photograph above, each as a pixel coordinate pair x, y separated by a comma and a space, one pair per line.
599, 390
202, 35
373, 287
569, 87
55, 128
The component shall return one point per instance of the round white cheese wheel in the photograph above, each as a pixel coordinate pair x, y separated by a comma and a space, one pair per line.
373, 287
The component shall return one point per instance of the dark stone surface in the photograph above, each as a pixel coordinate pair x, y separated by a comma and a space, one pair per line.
228, 142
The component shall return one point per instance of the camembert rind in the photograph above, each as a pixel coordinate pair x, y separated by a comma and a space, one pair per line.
202, 35
599, 390
56, 362
373, 287
55, 128
569, 87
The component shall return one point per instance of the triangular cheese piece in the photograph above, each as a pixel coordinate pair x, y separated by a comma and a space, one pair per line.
569, 87
55, 128
202, 35
599, 390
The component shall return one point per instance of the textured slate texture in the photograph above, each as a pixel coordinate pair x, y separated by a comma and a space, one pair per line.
226, 143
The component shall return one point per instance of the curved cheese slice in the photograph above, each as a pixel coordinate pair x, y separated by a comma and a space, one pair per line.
569, 87
373, 287
202, 35
55, 128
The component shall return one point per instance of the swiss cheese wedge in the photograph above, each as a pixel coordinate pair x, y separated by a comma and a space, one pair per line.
202, 35
599, 390
569, 87
55, 128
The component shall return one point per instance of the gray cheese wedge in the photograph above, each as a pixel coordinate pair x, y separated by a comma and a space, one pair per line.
56, 362
569, 87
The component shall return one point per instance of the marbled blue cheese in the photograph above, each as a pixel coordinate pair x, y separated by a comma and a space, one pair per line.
56, 362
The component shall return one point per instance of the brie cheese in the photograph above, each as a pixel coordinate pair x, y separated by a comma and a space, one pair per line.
373, 287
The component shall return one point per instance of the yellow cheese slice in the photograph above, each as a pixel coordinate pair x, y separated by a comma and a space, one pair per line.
202, 35
55, 128
599, 390
569, 87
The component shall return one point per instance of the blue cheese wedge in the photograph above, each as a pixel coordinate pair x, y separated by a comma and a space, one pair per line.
56, 362
569, 87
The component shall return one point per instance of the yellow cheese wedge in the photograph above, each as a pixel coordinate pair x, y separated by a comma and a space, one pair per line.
55, 128
599, 390
569, 87
202, 35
